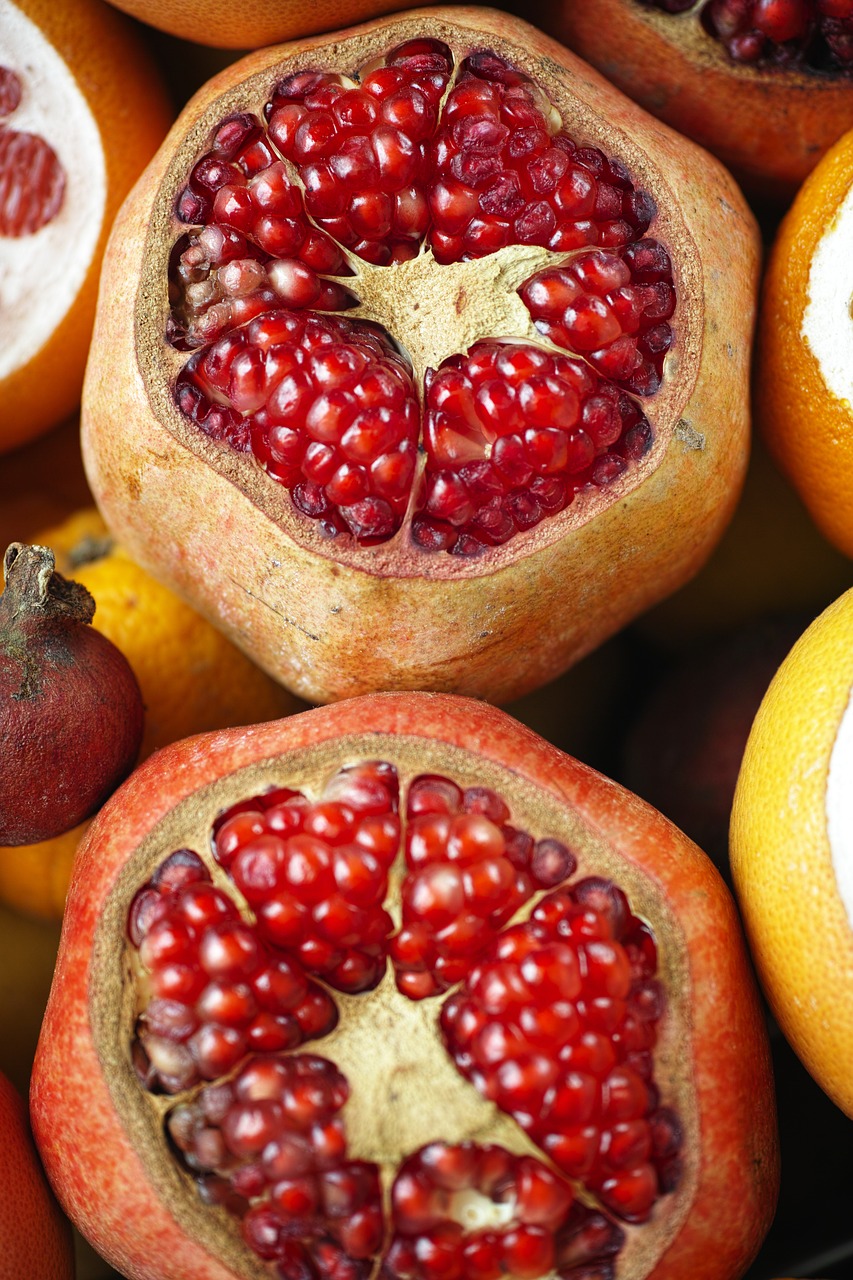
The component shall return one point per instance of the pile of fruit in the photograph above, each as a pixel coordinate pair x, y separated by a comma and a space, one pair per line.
375, 448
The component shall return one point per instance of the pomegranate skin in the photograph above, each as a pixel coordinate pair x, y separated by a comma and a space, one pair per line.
36, 1237
71, 711
332, 622
769, 125
92, 1156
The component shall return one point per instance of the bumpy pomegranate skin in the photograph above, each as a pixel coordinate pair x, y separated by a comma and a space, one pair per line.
557, 440
770, 121
386, 984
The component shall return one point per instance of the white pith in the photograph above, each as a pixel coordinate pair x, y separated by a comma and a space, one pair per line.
41, 274
476, 1212
828, 318
839, 808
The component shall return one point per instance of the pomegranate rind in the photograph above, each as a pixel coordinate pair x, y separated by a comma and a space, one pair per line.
769, 125
95, 1156
223, 534
124, 92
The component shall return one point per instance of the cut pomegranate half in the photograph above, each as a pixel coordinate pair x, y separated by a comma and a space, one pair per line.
767, 85
368, 998
420, 307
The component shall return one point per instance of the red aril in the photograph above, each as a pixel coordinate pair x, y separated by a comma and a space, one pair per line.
415, 344
766, 85
395, 989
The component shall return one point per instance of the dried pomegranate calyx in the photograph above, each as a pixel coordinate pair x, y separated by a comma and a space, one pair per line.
404, 1091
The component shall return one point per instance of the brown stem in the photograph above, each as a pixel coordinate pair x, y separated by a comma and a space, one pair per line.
33, 584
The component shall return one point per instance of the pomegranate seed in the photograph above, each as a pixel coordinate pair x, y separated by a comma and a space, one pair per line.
386, 165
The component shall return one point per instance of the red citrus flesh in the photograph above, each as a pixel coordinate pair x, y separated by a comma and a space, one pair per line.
32, 179
388, 1019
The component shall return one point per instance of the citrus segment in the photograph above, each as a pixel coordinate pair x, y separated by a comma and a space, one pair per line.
791, 848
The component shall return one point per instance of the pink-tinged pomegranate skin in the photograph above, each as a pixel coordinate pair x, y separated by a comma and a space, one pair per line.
88, 1152
332, 619
769, 124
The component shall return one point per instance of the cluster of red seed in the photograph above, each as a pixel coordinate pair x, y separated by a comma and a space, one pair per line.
556, 1026
256, 249
512, 434
316, 875
468, 872
502, 176
362, 152
271, 1146
214, 992
818, 33
554, 1020
440, 1193
326, 407
383, 174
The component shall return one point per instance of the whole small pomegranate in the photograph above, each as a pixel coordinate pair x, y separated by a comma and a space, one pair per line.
395, 989
71, 713
766, 85
422, 358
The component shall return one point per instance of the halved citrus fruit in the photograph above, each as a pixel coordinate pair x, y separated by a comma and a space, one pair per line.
805, 372
792, 848
82, 111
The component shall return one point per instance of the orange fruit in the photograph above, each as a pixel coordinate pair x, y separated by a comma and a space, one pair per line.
804, 390
192, 679
792, 848
248, 24
82, 110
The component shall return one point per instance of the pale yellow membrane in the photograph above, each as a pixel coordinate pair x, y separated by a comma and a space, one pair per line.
41, 274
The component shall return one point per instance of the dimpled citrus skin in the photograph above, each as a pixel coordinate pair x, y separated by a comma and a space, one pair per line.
251, 23
791, 393
124, 93
36, 1239
797, 926
192, 679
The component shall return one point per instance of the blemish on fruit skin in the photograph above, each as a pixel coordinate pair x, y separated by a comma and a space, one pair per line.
260, 599
688, 435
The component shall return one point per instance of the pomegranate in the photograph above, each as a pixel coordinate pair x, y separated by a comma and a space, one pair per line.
766, 85
35, 1237
408, 366
395, 989
71, 713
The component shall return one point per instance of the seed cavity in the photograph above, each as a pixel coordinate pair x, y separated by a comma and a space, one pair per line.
420, 166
